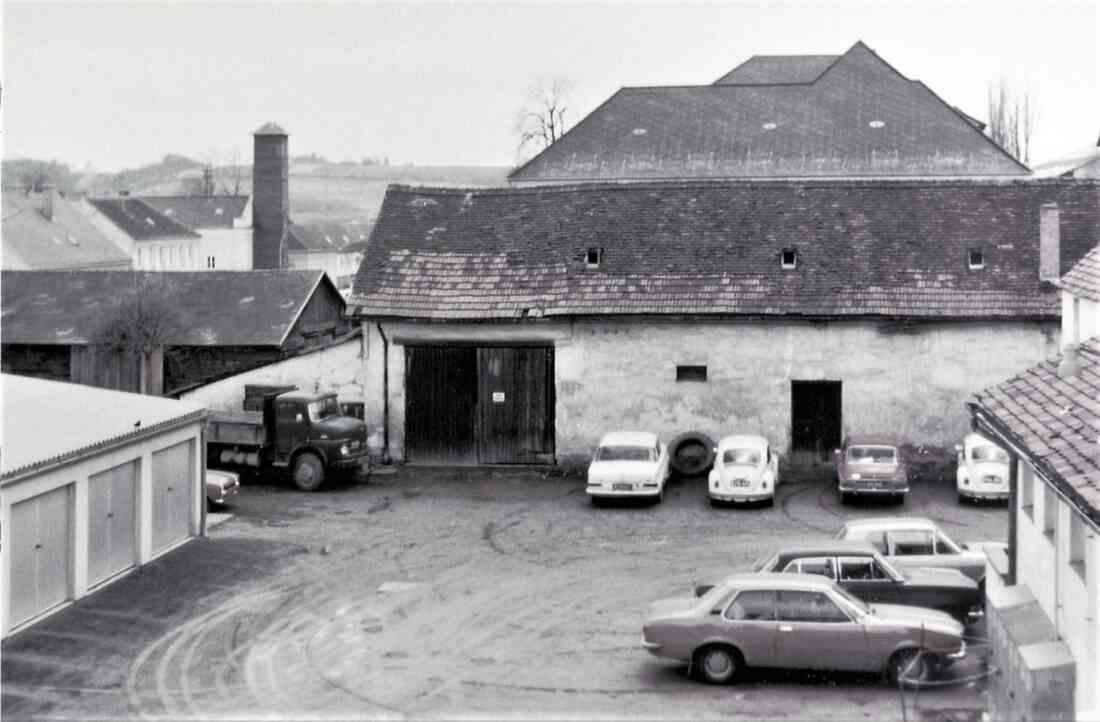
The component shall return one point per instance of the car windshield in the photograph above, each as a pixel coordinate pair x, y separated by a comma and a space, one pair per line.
624, 453
853, 600
988, 453
741, 456
872, 455
323, 408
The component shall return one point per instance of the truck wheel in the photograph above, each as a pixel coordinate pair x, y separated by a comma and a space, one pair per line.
309, 472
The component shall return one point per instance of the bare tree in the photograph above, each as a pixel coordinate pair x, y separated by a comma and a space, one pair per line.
541, 120
140, 327
1011, 119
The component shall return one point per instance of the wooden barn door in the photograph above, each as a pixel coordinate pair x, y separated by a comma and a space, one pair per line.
440, 404
515, 400
815, 420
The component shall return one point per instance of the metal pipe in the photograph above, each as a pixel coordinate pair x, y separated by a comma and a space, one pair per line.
385, 395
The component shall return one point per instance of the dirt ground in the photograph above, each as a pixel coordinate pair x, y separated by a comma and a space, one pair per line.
433, 593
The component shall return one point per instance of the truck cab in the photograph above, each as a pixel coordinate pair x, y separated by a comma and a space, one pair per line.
309, 433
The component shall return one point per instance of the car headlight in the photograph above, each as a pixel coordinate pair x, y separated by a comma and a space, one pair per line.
854, 477
344, 450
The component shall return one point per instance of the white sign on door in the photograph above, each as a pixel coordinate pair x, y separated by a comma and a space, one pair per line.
498, 397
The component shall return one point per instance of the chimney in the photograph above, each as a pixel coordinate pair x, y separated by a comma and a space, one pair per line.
1050, 266
270, 197
1071, 361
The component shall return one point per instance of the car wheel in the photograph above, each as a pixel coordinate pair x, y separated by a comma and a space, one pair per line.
309, 472
845, 497
899, 499
660, 495
717, 664
908, 667
596, 501
770, 501
714, 502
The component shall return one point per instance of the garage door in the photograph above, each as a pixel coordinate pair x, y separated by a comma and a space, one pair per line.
41, 541
172, 494
111, 521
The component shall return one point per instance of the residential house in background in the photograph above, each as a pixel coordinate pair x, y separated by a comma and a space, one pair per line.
516, 325
818, 116
226, 323
335, 248
1044, 596
93, 483
48, 231
154, 241
223, 223
1085, 163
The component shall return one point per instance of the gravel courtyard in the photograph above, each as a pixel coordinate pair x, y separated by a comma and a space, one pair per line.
440, 593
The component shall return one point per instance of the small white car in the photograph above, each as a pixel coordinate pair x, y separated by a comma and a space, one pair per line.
628, 464
983, 469
745, 470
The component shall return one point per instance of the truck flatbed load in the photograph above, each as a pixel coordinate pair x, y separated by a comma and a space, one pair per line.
243, 428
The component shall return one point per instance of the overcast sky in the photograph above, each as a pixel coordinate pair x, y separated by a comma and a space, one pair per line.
118, 85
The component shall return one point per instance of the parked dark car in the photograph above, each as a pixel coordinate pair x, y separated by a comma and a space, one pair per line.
799, 621
860, 569
871, 465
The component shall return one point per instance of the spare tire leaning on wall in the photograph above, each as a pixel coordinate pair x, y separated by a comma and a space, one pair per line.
691, 454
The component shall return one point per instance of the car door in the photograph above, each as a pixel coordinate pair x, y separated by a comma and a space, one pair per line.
749, 623
865, 578
813, 632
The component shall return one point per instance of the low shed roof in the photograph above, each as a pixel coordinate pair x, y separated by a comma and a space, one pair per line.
216, 308
47, 422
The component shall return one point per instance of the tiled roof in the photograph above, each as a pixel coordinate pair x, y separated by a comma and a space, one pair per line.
70, 240
1084, 278
330, 237
200, 211
859, 118
139, 220
889, 248
217, 308
79, 419
1056, 421
778, 70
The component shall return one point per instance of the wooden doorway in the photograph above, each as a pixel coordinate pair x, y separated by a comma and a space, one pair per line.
815, 420
440, 404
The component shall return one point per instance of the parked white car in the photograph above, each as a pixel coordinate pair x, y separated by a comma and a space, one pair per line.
628, 464
745, 470
983, 469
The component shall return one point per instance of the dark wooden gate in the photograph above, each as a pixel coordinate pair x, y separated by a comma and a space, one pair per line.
441, 404
516, 405
815, 419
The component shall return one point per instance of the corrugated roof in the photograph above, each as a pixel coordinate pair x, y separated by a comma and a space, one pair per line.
200, 211
859, 118
70, 240
1084, 278
885, 248
44, 422
1056, 421
217, 308
778, 70
141, 221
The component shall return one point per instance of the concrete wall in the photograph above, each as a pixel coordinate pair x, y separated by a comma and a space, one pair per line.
77, 473
231, 249
339, 367
622, 374
1068, 594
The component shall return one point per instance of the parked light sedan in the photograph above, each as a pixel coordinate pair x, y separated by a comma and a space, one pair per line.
800, 621
911, 542
628, 464
861, 570
872, 465
983, 469
745, 470
220, 485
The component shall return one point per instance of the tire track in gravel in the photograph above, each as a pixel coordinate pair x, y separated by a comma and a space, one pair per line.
785, 507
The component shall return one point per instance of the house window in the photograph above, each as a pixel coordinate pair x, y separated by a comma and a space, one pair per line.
975, 259
789, 259
1027, 491
691, 373
211, 262
1077, 540
593, 257
1050, 511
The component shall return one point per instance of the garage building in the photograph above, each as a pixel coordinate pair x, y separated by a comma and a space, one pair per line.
92, 484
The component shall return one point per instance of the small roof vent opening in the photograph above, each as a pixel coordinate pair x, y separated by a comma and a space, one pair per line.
593, 257
876, 124
975, 259
72, 240
168, 211
149, 221
639, 131
769, 126
57, 241
219, 211
789, 259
